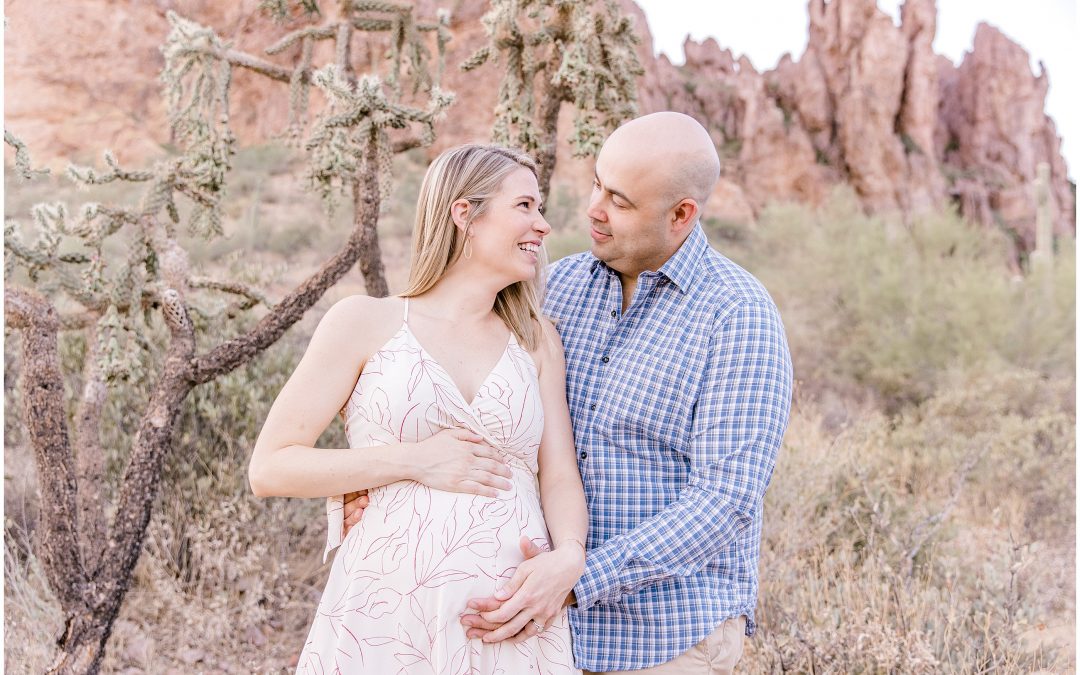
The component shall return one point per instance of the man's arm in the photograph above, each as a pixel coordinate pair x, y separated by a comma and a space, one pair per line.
738, 424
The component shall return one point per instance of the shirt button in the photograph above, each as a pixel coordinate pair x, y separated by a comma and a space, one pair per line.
584, 454
604, 359
592, 406
614, 314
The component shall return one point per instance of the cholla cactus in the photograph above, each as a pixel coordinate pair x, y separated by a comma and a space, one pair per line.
357, 123
338, 144
363, 111
574, 51
22, 158
197, 89
144, 314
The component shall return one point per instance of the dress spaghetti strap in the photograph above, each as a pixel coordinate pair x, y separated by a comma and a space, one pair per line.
405, 318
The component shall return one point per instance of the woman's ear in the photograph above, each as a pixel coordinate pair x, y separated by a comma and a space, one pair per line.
459, 211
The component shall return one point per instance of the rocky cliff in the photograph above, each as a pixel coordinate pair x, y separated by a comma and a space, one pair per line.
867, 103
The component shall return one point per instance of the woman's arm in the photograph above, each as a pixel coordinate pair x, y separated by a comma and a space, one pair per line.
285, 463
541, 585
561, 493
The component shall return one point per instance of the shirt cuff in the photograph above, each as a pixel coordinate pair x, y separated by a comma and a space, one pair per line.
600, 582
335, 520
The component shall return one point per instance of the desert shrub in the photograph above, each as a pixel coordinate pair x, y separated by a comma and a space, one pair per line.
31, 612
223, 574
398, 219
938, 541
219, 562
877, 308
565, 212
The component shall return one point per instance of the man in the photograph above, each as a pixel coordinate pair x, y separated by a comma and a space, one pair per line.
679, 385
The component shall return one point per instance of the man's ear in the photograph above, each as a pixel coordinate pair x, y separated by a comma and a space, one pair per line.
684, 215
459, 211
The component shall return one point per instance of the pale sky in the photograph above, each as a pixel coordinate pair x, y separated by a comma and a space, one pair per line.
764, 30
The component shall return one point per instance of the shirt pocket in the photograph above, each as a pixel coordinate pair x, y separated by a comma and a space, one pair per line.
649, 410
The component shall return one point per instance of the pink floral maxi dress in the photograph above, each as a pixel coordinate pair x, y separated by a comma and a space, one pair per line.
403, 576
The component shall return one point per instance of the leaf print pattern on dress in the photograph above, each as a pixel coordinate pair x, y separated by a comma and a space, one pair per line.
403, 575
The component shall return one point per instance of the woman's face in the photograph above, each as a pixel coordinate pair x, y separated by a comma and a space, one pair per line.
508, 236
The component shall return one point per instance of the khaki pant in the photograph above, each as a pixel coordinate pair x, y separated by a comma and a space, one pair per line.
717, 654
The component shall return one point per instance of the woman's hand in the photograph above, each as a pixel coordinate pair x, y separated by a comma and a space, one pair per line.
536, 593
457, 460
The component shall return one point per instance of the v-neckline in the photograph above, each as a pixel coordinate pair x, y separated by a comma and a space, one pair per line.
457, 388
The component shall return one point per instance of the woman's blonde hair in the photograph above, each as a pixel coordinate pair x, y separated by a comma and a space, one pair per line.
473, 173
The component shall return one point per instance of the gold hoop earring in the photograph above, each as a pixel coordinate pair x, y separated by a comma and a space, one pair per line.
466, 250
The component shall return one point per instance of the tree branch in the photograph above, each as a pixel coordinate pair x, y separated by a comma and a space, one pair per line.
79, 320
400, 145
90, 457
233, 353
252, 296
365, 189
551, 102
252, 62
926, 529
313, 33
152, 442
46, 421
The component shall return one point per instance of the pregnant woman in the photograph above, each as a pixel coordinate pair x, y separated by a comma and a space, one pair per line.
453, 397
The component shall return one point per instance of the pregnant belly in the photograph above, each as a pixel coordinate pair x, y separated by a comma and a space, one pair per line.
424, 538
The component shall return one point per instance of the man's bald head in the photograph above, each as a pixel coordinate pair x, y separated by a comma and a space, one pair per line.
653, 176
676, 150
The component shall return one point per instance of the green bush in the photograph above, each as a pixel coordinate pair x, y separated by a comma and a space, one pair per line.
877, 308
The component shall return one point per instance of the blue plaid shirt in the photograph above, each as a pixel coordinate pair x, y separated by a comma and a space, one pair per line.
679, 406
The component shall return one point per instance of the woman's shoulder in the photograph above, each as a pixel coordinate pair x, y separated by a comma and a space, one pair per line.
550, 347
359, 308
360, 323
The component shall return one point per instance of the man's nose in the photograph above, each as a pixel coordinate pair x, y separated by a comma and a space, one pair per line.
594, 211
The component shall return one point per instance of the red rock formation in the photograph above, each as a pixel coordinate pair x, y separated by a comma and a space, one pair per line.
764, 153
996, 134
871, 104
857, 47
919, 110
868, 103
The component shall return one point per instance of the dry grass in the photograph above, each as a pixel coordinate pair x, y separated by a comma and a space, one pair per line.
924, 544
920, 517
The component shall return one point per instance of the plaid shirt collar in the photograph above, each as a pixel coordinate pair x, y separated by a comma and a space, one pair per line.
680, 268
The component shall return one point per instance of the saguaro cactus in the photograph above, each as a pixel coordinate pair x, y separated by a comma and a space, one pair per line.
1043, 256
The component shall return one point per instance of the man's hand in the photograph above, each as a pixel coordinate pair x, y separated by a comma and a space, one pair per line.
355, 503
510, 615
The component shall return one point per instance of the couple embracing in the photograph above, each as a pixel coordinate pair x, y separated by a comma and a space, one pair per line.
542, 480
